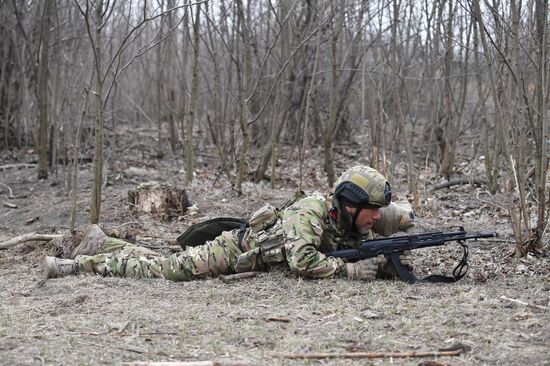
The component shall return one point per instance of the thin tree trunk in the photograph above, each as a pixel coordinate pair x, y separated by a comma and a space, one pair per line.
277, 125
244, 130
436, 134
310, 92
490, 144
95, 207
449, 136
4, 92
42, 137
159, 90
75, 154
194, 94
334, 94
541, 157
183, 86
56, 108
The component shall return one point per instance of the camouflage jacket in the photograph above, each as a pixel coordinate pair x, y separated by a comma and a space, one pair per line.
297, 237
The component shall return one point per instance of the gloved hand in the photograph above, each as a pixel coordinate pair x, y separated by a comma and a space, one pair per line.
406, 259
365, 269
387, 270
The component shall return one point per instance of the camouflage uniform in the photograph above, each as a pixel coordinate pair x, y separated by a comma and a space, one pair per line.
295, 238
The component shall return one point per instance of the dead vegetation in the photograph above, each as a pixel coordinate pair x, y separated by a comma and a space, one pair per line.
497, 314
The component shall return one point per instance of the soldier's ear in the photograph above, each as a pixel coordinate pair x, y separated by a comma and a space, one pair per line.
350, 210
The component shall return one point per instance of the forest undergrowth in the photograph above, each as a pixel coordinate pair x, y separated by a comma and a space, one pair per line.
497, 315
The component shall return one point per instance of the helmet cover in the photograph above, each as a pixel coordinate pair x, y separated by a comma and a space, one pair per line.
362, 186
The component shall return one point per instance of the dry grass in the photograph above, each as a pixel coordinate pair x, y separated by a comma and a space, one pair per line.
89, 320
93, 320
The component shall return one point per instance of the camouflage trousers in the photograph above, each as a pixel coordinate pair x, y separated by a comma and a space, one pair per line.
122, 259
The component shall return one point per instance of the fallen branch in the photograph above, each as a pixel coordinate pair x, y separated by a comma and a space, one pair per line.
11, 166
540, 307
28, 237
238, 276
32, 219
317, 356
456, 182
10, 196
174, 363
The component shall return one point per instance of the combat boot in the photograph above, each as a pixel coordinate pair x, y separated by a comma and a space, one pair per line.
57, 267
92, 242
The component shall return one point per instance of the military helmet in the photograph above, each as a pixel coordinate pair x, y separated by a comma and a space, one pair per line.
362, 186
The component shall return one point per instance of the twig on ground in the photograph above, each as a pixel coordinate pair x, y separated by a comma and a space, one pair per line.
131, 348
186, 363
455, 182
516, 301
127, 223
238, 276
9, 205
278, 319
10, 196
32, 219
317, 356
28, 237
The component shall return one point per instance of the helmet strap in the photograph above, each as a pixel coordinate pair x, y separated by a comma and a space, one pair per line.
343, 218
355, 216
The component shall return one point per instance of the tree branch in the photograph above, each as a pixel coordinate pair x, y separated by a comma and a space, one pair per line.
28, 237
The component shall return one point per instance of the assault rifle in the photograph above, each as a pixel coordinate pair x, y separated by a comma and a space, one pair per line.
392, 248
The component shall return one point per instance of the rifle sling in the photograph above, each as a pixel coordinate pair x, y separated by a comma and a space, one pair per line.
240, 234
407, 276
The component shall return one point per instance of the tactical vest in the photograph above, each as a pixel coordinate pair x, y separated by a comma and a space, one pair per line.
263, 242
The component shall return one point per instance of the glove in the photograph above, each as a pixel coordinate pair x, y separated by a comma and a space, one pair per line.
406, 259
387, 270
365, 269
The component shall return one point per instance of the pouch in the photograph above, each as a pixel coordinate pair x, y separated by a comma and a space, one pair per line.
264, 218
249, 261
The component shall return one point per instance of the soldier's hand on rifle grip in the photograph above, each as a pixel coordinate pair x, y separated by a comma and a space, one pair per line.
387, 270
365, 269
406, 259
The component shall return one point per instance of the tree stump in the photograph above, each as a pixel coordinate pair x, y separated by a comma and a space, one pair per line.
161, 200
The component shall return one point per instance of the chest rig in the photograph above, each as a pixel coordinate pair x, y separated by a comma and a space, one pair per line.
262, 242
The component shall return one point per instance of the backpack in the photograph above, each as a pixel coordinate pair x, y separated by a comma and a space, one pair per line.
200, 233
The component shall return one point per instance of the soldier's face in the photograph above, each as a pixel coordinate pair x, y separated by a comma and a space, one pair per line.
366, 219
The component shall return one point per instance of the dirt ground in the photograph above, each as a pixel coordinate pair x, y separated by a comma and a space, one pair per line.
498, 315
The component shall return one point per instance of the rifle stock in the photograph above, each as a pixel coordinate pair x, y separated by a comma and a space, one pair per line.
392, 248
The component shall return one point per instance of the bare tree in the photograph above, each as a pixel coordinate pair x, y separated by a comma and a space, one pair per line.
310, 92
95, 25
520, 118
541, 122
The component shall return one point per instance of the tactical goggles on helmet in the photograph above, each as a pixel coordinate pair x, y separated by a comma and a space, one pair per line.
354, 196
